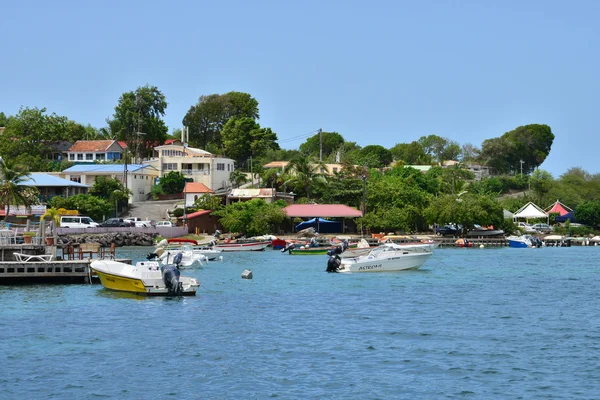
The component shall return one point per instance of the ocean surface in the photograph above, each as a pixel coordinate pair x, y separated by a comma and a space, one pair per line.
471, 323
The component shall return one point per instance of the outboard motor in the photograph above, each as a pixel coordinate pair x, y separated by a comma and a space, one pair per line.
288, 247
177, 259
170, 275
334, 262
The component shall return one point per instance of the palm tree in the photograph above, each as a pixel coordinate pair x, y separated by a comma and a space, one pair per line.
11, 176
304, 171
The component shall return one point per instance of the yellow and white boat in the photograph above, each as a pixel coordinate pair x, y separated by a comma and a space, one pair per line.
146, 278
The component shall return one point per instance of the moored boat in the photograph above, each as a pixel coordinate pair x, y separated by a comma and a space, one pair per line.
242, 246
524, 241
383, 258
144, 278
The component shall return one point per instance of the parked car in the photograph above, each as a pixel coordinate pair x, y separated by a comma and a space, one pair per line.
145, 224
447, 230
526, 228
545, 228
77, 221
133, 220
164, 223
115, 223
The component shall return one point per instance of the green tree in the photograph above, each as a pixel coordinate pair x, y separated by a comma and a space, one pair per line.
410, 153
3, 119
11, 193
244, 138
440, 149
172, 182
529, 143
375, 156
104, 187
541, 182
331, 143
304, 172
207, 118
470, 153
238, 178
588, 213
94, 207
142, 111
28, 137
466, 210
208, 202
251, 218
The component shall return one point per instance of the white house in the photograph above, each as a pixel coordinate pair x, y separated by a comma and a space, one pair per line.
199, 165
193, 191
140, 177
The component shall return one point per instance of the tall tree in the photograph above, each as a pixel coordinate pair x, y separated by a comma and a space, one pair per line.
142, 111
207, 118
330, 142
375, 156
411, 153
440, 149
244, 138
541, 183
530, 144
28, 136
12, 175
3, 119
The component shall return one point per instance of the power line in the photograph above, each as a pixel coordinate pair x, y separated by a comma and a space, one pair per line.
299, 137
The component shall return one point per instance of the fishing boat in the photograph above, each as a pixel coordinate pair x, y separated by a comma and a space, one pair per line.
144, 278
229, 246
383, 258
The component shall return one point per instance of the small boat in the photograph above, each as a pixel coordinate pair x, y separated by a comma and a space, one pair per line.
278, 244
305, 250
242, 246
484, 231
145, 277
524, 241
463, 243
383, 258
208, 251
189, 258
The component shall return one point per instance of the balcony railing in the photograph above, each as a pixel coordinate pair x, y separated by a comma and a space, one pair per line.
195, 171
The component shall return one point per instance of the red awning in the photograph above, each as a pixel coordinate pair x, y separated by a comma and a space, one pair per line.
321, 210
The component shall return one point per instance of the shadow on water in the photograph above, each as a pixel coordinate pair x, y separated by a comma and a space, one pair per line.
111, 294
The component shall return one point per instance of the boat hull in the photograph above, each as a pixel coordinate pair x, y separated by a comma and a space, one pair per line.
310, 251
404, 262
252, 246
519, 244
145, 278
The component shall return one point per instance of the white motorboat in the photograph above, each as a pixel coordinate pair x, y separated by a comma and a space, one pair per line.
382, 258
209, 252
189, 258
146, 277
242, 245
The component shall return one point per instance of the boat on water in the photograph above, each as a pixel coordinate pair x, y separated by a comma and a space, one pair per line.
524, 241
144, 278
481, 231
242, 246
189, 258
380, 259
463, 243
203, 252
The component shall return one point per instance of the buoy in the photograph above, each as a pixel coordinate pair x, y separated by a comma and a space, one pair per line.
481, 246
247, 274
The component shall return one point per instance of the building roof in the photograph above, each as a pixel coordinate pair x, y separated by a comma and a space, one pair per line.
82, 146
422, 168
197, 187
530, 210
122, 144
190, 151
276, 164
40, 179
321, 210
196, 214
109, 168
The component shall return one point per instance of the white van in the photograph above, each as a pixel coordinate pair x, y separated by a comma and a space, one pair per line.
77, 221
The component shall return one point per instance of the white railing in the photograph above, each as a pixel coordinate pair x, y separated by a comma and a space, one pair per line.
195, 171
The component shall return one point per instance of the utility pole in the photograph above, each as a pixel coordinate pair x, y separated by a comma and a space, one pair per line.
522, 162
320, 145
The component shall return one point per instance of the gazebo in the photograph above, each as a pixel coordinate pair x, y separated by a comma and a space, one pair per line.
558, 208
530, 211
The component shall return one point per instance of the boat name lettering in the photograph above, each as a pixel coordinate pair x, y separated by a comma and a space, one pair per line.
367, 267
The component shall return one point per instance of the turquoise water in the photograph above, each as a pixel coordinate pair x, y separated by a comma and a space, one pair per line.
472, 323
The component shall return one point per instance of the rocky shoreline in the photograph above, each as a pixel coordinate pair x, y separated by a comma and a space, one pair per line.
106, 239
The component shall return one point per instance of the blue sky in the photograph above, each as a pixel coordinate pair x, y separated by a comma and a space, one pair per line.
377, 72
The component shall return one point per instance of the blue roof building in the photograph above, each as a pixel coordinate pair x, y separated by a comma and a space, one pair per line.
52, 185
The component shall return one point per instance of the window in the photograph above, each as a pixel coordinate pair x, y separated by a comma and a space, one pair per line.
79, 156
220, 167
71, 156
75, 178
100, 156
169, 167
135, 177
89, 156
335, 170
228, 166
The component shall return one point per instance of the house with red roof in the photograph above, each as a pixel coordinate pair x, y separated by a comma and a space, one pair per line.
92, 151
195, 190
